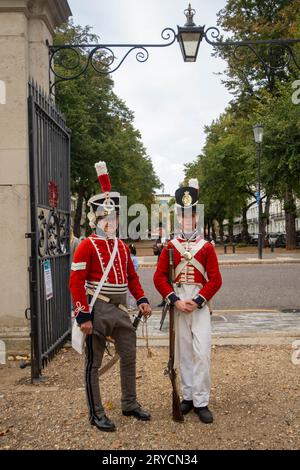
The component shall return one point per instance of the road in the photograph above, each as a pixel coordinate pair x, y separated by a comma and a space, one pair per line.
248, 287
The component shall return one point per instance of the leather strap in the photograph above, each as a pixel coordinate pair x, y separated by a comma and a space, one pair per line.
105, 274
107, 300
180, 267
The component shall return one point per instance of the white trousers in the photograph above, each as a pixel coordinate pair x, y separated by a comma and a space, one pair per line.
193, 347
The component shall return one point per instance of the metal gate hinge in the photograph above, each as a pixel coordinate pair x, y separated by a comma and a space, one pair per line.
28, 317
29, 234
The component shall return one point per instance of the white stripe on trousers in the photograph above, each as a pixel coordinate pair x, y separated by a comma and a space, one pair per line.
193, 347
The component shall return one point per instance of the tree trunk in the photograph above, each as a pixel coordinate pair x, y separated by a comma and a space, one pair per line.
245, 234
213, 231
265, 218
88, 229
207, 229
78, 213
221, 230
230, 229
290, 220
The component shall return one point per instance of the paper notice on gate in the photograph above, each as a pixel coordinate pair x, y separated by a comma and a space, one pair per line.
48, 280
78, 338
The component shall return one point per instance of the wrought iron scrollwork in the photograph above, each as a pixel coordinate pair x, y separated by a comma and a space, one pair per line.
68, 62
64, 235
42, 234
53, 234
275, 55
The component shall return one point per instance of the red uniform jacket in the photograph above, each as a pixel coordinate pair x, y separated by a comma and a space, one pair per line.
89, 262
206, 256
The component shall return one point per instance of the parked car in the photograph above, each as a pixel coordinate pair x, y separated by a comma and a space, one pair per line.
237, 238
218, 240
254, 239
276, 239
272, 238
281, 241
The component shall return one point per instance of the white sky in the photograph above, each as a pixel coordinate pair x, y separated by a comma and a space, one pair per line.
172, 100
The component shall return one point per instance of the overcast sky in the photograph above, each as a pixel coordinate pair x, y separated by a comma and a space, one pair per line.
172, 100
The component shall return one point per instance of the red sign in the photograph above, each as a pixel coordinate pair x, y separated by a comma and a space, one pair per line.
52, 194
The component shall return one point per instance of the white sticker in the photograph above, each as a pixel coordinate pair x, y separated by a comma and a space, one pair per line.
48, 279
2, 352
2, 92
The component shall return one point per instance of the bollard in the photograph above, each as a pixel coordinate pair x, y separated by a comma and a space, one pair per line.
233, 248
272, 247
225, 248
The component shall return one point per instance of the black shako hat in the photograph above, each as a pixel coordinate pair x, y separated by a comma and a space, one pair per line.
187, 196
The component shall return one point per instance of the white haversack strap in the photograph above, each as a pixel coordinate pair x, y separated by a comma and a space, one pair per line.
180, 267
105, 274
193, 251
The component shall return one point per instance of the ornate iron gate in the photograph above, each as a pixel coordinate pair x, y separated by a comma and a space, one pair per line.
49, 156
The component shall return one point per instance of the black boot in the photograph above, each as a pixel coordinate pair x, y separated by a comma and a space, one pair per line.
205, 415
186, 406
138, 413
103, 423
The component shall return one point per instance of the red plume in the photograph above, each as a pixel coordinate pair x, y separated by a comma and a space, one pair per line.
103, 176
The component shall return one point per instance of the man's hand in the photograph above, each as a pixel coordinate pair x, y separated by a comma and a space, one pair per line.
145, 309
87, 327
191, 305
182, 306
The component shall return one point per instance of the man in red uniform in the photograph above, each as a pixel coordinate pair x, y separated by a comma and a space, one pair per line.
109, 317
197, 279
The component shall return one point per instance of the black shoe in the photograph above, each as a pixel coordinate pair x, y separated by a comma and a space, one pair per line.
103, 423
138, 413
186, 406
205, 415
162, 304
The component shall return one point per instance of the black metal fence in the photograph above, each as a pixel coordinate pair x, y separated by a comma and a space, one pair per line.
49, 157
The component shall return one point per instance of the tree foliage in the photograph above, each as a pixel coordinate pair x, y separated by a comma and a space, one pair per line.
102, 129
227, 168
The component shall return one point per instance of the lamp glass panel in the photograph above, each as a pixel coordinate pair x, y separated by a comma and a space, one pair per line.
258, 133
190, 43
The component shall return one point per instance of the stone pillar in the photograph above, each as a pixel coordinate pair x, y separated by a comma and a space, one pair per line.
25, 25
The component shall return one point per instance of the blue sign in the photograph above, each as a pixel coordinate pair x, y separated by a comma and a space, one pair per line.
257, 196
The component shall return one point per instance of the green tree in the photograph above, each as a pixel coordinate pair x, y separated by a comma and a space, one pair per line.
256, 19
225, 170
259, 91
281, 151
102, 129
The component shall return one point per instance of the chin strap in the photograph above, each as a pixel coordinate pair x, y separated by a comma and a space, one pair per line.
189, 237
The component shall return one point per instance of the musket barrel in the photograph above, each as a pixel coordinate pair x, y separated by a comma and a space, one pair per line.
176, 408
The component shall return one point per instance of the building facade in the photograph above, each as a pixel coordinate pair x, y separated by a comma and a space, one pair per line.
276, 222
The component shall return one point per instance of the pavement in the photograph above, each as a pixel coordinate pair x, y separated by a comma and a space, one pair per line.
239, 258
233, 328
246, 287
257, 305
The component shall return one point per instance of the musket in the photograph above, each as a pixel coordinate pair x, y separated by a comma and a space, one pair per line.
170, 370
163, 315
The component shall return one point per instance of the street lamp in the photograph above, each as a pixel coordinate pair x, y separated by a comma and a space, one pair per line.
258, 131
71, 61
189, 36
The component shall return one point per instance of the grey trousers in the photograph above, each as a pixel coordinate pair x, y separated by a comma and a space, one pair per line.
108, 320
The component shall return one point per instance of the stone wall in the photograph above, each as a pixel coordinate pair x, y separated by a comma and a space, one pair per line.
25, 26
